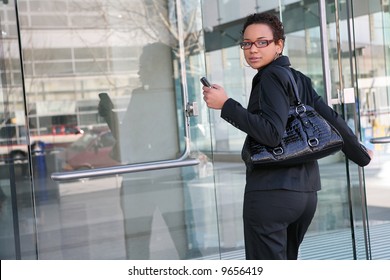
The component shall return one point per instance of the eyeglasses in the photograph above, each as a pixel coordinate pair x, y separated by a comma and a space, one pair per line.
246, 45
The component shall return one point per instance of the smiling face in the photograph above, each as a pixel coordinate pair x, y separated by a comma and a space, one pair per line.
260, 57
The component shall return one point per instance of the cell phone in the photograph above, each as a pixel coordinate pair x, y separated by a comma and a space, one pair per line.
105, 110
205, 82
105, 98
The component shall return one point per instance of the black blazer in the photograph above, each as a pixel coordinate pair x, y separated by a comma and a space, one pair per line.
271, 87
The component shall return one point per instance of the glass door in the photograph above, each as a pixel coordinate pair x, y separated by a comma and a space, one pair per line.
150, 193
120, 144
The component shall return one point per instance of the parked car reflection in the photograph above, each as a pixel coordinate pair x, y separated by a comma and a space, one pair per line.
14, 140
92, 150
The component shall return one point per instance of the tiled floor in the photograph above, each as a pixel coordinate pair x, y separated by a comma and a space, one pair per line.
333, 246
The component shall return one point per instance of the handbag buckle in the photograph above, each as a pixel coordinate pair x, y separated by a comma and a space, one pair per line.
278, 151
300, 109
313, 142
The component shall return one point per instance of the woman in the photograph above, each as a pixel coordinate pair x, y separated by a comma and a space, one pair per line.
279, 202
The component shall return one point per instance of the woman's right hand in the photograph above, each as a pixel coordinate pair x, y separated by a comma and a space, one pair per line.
214, 96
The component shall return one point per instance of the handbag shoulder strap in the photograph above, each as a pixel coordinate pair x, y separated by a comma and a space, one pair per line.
294, 85
295, 96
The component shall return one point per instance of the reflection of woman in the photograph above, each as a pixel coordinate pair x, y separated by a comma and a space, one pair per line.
148, 132
279, 202
148, 129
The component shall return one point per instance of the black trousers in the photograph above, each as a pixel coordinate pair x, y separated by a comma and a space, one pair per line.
275, 223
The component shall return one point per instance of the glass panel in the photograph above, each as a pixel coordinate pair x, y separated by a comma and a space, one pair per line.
146, 55
17, 219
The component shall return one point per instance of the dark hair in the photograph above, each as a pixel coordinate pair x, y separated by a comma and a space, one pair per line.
269, 19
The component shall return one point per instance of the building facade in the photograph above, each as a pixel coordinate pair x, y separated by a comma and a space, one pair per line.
162, 178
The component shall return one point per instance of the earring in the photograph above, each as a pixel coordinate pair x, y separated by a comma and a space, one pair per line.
277, 55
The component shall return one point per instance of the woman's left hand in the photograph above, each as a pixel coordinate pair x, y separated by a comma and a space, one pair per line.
215, 96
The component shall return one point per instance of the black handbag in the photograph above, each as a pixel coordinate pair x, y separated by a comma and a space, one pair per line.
308, 136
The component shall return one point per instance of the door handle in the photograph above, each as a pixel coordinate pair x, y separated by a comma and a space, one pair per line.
380, 140
192, 109
130, 168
